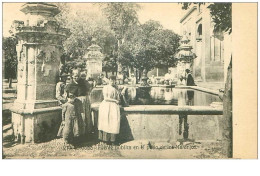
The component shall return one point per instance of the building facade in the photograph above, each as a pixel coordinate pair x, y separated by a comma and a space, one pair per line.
213, 49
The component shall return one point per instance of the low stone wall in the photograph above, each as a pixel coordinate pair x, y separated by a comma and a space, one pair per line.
158, 127
202, 89
168, 123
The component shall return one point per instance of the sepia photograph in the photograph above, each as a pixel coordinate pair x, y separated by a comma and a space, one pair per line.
117, 80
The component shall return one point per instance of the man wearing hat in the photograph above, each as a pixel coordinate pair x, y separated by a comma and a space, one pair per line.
189, 78
60, 89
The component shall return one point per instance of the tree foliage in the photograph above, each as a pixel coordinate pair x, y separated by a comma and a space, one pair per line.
121, 16
120, 35
84, 26
148, 46
10, 57
222, 16
109, 64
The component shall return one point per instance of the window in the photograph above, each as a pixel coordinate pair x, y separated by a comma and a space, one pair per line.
199, 32
200, 29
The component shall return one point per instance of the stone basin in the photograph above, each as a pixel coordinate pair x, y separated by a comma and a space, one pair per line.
178, 118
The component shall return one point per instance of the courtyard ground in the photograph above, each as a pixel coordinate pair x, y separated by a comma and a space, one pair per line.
133, 149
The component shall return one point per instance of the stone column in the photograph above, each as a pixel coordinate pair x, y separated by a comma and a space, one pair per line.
93, 60
205, 44
36, 115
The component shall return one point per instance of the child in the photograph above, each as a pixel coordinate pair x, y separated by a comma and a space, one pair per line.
71, 118
60, 89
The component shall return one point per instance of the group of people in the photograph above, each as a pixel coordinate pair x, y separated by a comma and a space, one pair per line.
73, 95
168, 79
120, 79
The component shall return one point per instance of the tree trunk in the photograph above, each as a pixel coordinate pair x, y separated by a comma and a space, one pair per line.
106, 75
136, 76
227, 115
10, 80
140, 74
129, 71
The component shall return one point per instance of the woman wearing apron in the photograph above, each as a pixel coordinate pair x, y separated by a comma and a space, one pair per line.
109, 113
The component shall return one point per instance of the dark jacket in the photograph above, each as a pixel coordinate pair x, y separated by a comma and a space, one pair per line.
190, 80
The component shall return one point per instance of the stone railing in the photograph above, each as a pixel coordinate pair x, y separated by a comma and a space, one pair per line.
168, 109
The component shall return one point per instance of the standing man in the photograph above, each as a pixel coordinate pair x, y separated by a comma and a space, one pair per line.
189, 78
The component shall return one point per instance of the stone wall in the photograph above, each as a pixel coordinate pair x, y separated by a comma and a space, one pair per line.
158, 127
162, 123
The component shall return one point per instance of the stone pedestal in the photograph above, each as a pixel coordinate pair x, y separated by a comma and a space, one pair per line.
36, 115
93, 60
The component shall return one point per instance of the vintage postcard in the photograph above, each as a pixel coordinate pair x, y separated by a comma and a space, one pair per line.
128, 80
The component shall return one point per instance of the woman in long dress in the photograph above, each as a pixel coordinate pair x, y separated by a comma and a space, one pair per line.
109, 113
84, 92
79, 86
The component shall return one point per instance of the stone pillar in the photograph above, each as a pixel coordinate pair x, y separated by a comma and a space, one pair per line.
205, 44
93, 60
36, 115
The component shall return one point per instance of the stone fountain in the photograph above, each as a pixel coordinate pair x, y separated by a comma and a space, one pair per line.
93, 58
184, 59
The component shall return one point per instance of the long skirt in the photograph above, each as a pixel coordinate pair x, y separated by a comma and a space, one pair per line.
109, 117
70, 129
87, 126
107, 137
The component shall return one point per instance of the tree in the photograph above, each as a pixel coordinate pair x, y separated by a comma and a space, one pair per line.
10, 58
109, 65
221, 14
167, 43
84, 26
121, 17
148, 46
